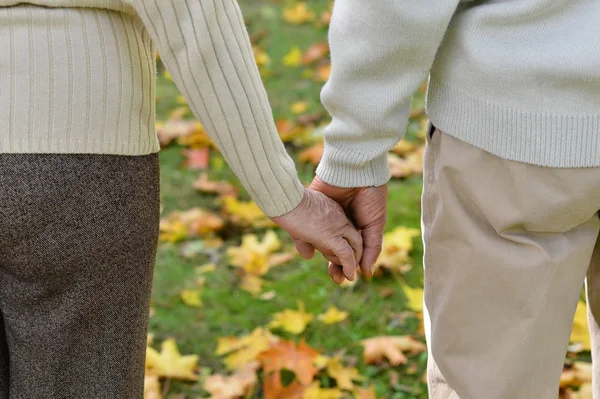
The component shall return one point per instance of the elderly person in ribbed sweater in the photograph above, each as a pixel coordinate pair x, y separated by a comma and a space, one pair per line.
79, 178
511, 173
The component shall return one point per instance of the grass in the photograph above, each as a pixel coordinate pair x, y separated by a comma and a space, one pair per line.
226, 309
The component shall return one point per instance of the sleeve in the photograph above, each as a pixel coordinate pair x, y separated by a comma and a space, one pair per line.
381, 52
205, 46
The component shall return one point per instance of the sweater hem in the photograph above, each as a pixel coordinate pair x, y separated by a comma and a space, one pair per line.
77, 147
544, 139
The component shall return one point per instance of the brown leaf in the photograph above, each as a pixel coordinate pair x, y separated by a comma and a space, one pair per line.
411, 165
285, 355
312, 154
377, 349
222, 188
315, 53
238, 385
197, 159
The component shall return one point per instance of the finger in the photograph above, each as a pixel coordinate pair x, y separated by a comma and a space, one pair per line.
332, 258
305, 249
372, 242
344, 251
355, 240
336, 273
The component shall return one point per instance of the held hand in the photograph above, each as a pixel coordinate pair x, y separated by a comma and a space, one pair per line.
319, 223
367, 208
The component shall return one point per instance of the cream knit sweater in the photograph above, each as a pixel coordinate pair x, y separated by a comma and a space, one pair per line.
519, 79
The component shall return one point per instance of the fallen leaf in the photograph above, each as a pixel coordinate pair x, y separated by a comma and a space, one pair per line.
286, 355
314, 391
207, 268
195, 137
152, 387
342, 375
218, 187
238, 385
333, 315
578, 374
191, 298
323, 72
321, 361
580, 334
181, 225
414, 297
411, 165
254, 256
298, 14
293, 58
365, 393
404, 147
397, 245
315, 53
240, 351
246, 213
299, 107
391, 348
252, 284
312, 154
169, 363
197, 158
292, 321
267, 296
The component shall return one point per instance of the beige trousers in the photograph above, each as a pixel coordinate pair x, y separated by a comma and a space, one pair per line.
507, 248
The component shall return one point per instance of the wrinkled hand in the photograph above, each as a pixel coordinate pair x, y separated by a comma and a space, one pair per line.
367, 208
320, 223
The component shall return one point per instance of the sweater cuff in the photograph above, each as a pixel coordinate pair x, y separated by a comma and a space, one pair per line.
344, 167
282, 201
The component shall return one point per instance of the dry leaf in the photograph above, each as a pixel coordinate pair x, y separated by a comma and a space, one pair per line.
286, 355
397, 245
391, 348
195, 222
315, 53
333, 315
323, 72
298, 14
411, 165
580, 334
196, 137
152, 387
292, 321
244, 350
312, 154
196, 158
238, 385
404, 147
365, 393
580, 373
218, 187
207, 268
254, 256
293, 58
191, 298
246, 213
299, 107
414, 297
252, 284
342, 375
314, 391
169, 363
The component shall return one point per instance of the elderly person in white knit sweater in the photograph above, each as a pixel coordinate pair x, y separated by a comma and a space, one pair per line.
511, 184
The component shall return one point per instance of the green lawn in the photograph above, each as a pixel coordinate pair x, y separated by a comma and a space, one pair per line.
226, 309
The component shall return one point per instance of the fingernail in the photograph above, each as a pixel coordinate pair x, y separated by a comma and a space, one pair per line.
372, 269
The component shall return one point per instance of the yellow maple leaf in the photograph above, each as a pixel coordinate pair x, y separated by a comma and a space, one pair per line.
292, 321
342, 375
252, 284
293, 58
377, 349
333, 315
365, 393
246, 213
169, 363
321, 361
152, 387
191, 298
414, 297
253, 255
299, 107
580, 334
298, 14
580, 373
240, 351
314, 391
397, 245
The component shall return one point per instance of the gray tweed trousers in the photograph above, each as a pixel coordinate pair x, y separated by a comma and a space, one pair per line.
78, 237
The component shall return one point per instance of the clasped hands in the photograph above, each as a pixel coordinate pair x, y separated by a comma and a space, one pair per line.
345, 224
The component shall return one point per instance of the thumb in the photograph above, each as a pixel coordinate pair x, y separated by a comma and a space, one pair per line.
306, 250
373, 242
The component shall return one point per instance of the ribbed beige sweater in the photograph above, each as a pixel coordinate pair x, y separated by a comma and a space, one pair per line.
79, 77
